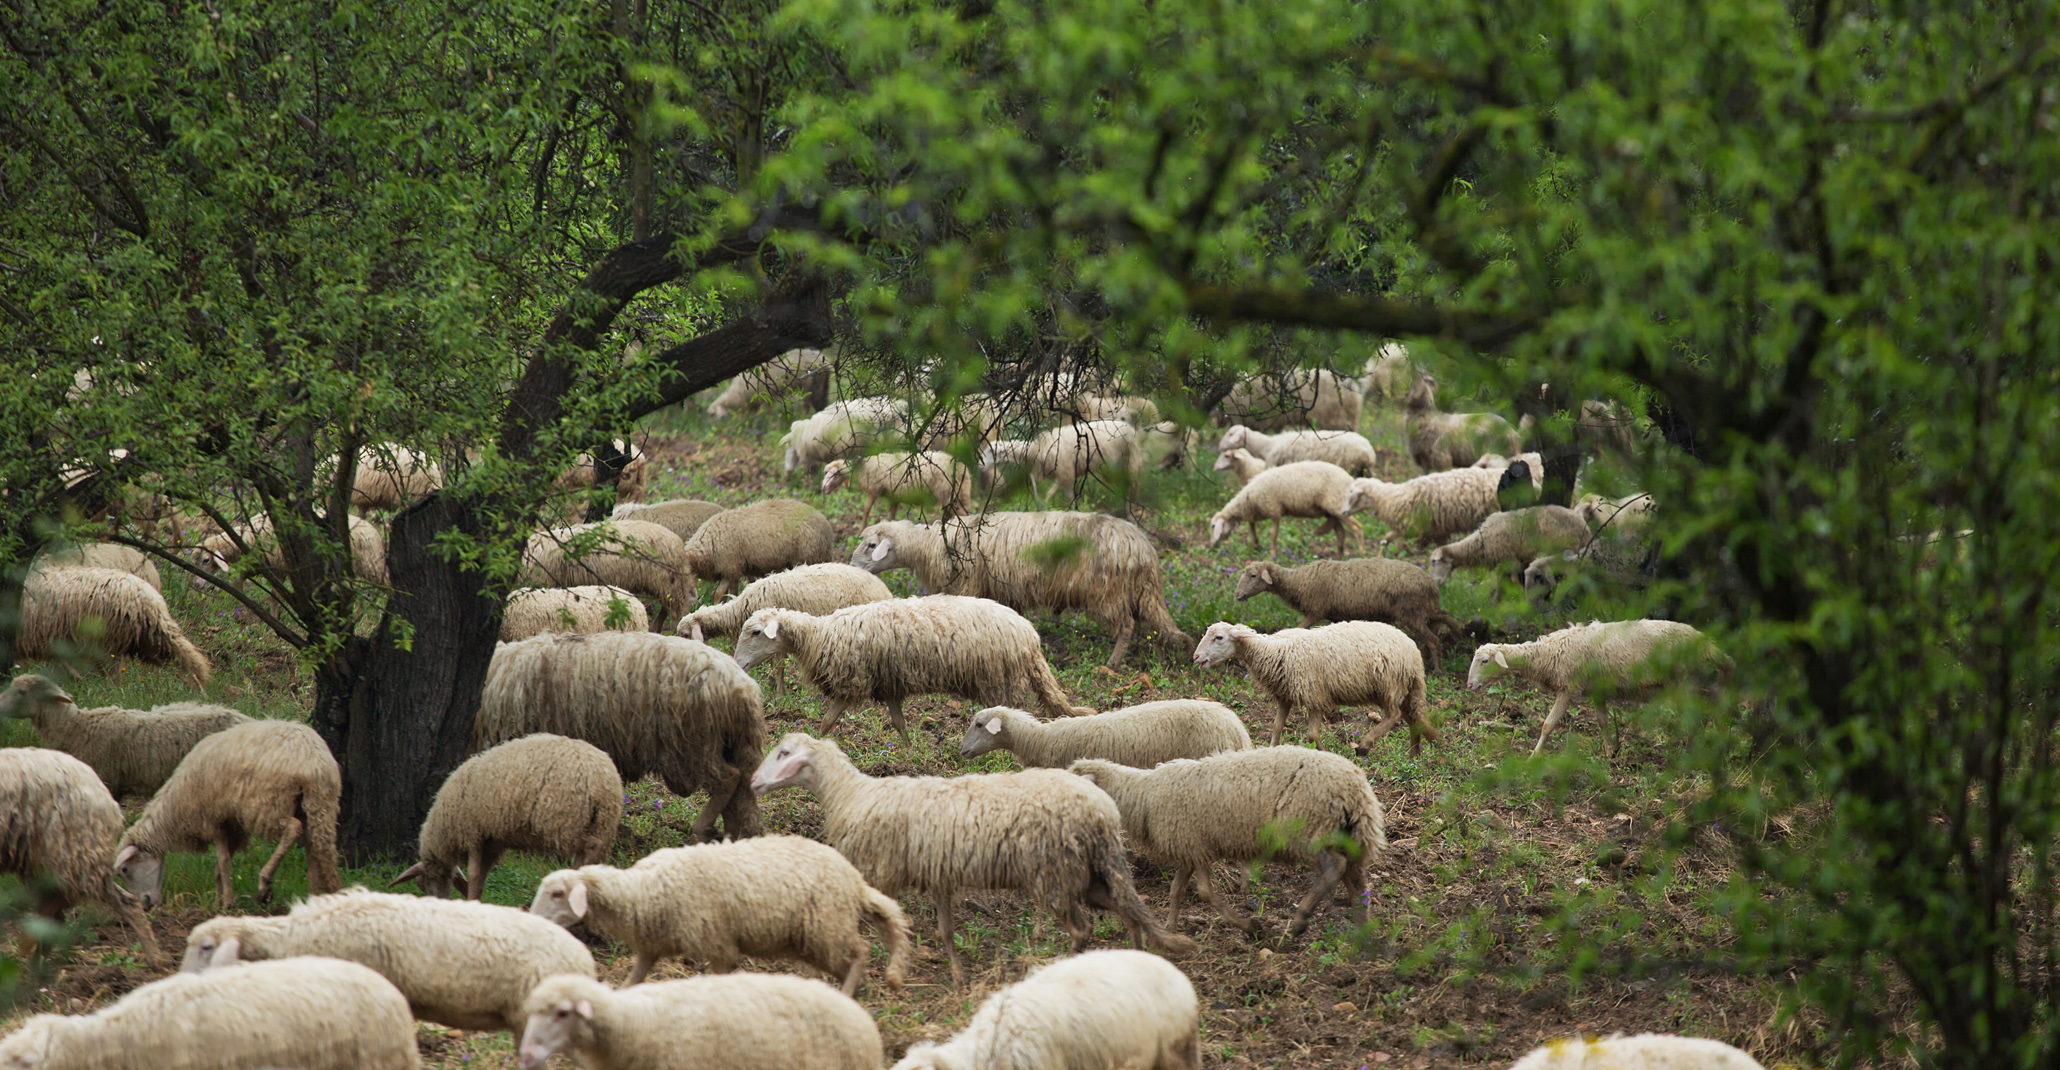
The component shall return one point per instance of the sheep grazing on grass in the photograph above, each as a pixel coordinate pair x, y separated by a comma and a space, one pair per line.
117, 612
541, 793
1620, 661
743, 544
817, 590
1101, 1009
218, 553
1319, 399
390, 476
1103, 566
1441, 440
1519, 535
536, 610
885, 652
1064, 456
1388, 376
58, 821
795, 372
1364, 588
655, 703
1430, 507
1626, 561
682, 516
273, 779
904, 479
1245, 805
1240, 463
629, 484
1320, 669
1646, 1051
1348, 450
774, 897
635, 555
1308, 489
1141, 412
841, 430
132, 751
1142, 735
462, 964
1616, 516
737, 1022
102, 555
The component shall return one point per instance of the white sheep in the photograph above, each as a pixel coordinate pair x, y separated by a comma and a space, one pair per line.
735, 1022
1617, 516
390, 476
132, 751
220, 552
1388, 375
629, 483
1519, 535
844, 428
536, 610
1064, 456
1620, 660
1003, 461
904, 479
1142, 735
1097, 1010
1319, 669
770, 897
1646, 1051
116, 611
1320, 399
541, 793
1429, 507
58, 823
102, 555
684, 516
635, 555
1440, 440
817, 589
974, 419
1240, 463
1348, 450
742, 544
1363, 588
796, 369
1309, 489
1142, 412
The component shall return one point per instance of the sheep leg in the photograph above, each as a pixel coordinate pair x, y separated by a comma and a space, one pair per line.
475, 871
854, 974
1559, 706
1319, 718
719, 792
1378, 730
1279, 723
288, 833
1328, 872
1356, 887
1255, 535
1276, 537
645, 960
833, 711
1224, 907
1123, 631
894, 718
945, 926
1180, 879
867, 516
225, 885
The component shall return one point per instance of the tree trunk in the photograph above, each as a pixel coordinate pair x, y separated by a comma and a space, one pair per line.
1553, 440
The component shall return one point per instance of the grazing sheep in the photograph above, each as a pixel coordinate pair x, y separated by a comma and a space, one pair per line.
1193, 813
754, 540
841, 430
1439, 440
1101, 1009
884, 652
904, 479
1004, 462
683, 516
117, 611
310, 1013
536, 610
1519, 535
1045, 832
1616, 516
541, 793
976, 419
1142, 735
1169, 445
273, 779
1435, 506
390, 476
1604, 661
736, 1022
1320, 669
774, 897
792, 372
1534, 461
655, 703
817, 590
1348, 450
1606, 426
1388, 376
101, 555
1103, 566
58, 820
1065, 455
1241, 464
635, 555
1623, 560
1141, 412
220, 551
1364, 588
462, 964
1646, 1051
1304, 489
629, 485
132, 751
1320, 399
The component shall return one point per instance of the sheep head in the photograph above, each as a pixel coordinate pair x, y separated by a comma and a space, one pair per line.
791, 763
1257, 577
29, 694
1232, 439
836, 474
1219, 643
561, 898
142, 873
761, 638
561, 1016
1441, 566
989, 731
1489, 661
875, 551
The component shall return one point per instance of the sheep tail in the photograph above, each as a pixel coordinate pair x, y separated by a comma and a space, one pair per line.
1113, 867
894, 932
1414, 707
1152, 608
319, 839
1050, 696
190, 658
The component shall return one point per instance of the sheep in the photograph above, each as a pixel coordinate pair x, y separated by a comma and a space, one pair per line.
1046, 832
1303, 489
273, 779
655, 703
1065, 455
635, 555
884, 652
1240, 463
1003, 461
1620, 660
311, 1013
1429, 507
1142, 735
1519, 535
976, 420
543, 793
220, 551
390, 476
796, 370
904, 479
757, 539
629, 483
536, 610
683, 515
1646, 1051
775, 897
1439, 440
101, 555
1101, 1009
814, 589
1616, 516
132, 751
1169, 445
1605, 426
1141, 412
840, 430
1103, 566
1624, 560
58, 820
718, 1023
1319, 669
1192, 813
1534, 462
1319, 398
1389, 375
1348, 450
1364, 588
119, 612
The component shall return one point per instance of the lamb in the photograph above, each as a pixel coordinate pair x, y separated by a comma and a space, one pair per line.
58, 820
1519, 535
1348, 450
311, 1013
220, 551
1616, 516
684, 516
1043, 831
814, 589
1621, 660
1320, 669
1430, 507
1192, 813
390, 476
1646, 1051
635, 555
1103, 566
1439, 440
536, 610
1065, 455
1389, 375
629, 483
102, 555
1303, 489
1364, 588
273, 779
1100, 1009
128, 616
775, 897
884, 652
757, 539
132, 751
541, 793
655, 703
1318, 398
790, 372
1142, 735
904, 479
1240, 463
840, 430
720, 1023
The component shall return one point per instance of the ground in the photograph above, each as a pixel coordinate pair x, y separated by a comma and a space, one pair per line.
1498, 865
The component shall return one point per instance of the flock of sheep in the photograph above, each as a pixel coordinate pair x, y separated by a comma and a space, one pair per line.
583, 695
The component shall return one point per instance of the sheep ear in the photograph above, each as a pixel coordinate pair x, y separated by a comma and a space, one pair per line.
226, 955
585, 1009
577, 900
1242, 631
994, 726
695, 633
881, 551
772, 628
122, 859
1501, 659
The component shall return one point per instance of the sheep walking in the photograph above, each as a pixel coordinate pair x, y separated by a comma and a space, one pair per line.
634, 555
764, 537
813, 589
1142, 735
1364, 588
1621, 660
1310, 489
738, 1022
58, 821
132, 751
1319, 398
1063, 457
1429, 507
1320, 669
1646, 1051
117, 611
1519, 535
536, 610
904, 479
1441, 440
843, 429
1101, 1009
1348, 450
1043, 831
541, 793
